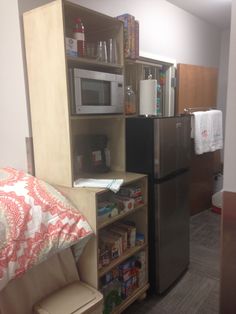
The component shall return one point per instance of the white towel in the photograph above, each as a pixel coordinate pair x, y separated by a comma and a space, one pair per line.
113, 184
216, 135
201, 132
207, 131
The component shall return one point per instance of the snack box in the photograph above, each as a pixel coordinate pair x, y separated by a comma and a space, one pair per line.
140, 240
127, 270
131, 233
110, 276
123, 203
129, 286
123, 234
138, 201
130, 191
105, 211
112, 242
116, 234
104, 257
71, 47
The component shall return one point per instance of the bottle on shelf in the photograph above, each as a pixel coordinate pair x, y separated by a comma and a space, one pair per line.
130, 107
78, 34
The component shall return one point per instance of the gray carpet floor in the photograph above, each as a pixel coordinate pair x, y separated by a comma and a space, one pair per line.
197, 292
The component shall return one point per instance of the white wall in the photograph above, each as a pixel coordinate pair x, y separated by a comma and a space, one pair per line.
230, 131
223, 76
167, 30
177, 35
13, 108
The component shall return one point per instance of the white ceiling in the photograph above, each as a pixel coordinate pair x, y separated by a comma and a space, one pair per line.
216, 12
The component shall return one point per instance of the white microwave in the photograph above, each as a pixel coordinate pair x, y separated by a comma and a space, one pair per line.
94, 92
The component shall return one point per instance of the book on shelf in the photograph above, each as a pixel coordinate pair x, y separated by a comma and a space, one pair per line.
131, 35
136, 39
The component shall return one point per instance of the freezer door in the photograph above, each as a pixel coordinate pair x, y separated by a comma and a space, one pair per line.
172, 230
139, 145
171, 145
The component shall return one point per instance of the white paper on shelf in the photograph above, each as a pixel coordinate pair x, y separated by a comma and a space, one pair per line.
111, 184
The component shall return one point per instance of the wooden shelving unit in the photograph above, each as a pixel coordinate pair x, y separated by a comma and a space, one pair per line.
140, 69
86, 200
137, 294
54, 128
118, 217
92, 62
128, 253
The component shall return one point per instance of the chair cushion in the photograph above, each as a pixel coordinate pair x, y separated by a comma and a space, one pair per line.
75, 298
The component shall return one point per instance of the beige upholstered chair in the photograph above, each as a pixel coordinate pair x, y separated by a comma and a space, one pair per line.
52, 287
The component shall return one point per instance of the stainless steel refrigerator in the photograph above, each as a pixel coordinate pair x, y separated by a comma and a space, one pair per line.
160, 148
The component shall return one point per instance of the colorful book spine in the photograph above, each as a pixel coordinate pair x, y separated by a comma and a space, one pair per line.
131, 33
132, 37
136, 39
124, 19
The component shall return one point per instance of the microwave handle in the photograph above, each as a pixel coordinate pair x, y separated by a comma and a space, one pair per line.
117, 93
77, 88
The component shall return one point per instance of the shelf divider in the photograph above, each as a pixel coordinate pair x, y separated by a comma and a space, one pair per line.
128, 253
119, 217
134, 296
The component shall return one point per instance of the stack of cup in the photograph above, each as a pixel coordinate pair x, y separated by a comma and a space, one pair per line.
112, 50
107, 52
102, 51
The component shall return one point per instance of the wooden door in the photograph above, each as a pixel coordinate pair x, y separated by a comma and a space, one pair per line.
197, 87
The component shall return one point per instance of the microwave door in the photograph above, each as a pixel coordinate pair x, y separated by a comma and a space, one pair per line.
97, 92
92, 96
117, 93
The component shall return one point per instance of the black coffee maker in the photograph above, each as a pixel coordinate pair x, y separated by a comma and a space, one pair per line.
91, 153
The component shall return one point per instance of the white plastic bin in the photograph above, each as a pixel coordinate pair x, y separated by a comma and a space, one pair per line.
217, 202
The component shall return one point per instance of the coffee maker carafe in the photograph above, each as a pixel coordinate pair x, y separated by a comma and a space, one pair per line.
92, 154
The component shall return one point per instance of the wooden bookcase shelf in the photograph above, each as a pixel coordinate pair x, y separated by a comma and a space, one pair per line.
138, 293
87, 200
119, 217
128, 253
78, 61
55, 129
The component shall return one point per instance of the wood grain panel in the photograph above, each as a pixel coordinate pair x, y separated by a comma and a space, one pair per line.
228, 255
46, 66
201, 187
196, 87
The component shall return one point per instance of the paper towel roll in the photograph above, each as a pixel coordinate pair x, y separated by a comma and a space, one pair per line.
148, 97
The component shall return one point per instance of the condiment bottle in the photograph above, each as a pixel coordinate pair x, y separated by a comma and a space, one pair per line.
78, 34
130, 107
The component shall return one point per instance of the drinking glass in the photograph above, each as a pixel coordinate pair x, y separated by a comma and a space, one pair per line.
99, 51
112, 50
90, 50
102, 51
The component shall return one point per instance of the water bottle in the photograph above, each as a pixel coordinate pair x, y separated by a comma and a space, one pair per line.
78, 34
130, 107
